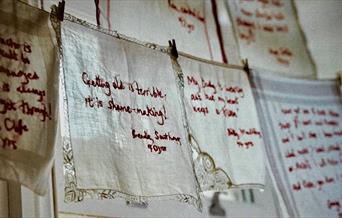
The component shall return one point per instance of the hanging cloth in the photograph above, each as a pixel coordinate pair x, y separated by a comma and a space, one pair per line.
302, 126
28, 95
270, 37
223, 126
126, 137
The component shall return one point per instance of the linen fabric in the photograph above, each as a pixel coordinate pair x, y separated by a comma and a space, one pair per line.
270, 37
301, 122
190, 22
224, 128
126, 132
28, 95
163, 20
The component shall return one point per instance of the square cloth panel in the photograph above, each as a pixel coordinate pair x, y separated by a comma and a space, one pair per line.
28, 88
270, 37
190, 22
124, 115
224, 126
302, 126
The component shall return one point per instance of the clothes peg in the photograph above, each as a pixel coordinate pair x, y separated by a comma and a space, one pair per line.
246, 66
60, 10
173, 47
339, 77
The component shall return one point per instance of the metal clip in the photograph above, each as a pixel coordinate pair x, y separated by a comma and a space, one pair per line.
173, 47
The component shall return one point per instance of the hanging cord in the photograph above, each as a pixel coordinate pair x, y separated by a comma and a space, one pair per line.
218, 31
98, 12
56, 16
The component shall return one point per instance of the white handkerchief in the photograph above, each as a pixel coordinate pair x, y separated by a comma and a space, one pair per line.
224, 126
28, 88
302, 126
270, 37
126, 132
190, 22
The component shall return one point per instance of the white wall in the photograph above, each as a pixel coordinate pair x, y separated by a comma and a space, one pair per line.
36, 206
3, 199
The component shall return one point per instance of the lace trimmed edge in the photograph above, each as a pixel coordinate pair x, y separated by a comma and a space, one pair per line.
204, 165
71, 192
74, 194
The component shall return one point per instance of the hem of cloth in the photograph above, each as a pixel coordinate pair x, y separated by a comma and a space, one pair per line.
72, 192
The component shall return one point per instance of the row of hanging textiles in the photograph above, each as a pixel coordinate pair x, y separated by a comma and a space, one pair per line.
192, 91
